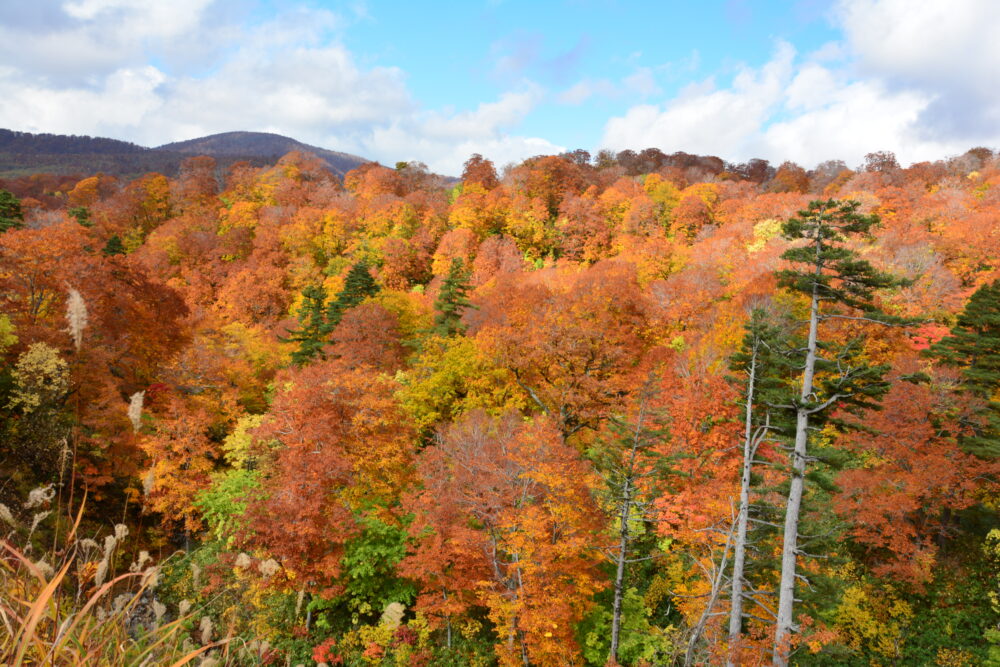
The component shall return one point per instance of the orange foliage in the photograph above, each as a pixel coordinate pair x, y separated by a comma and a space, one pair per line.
509, 522
342, 446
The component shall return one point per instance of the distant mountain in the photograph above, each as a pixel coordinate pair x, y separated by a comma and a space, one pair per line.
263, 144
61, 144
23, 153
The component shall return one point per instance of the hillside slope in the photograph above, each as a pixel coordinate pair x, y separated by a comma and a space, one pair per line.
24, 153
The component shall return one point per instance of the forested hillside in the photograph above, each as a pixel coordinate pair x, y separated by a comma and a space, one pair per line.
23, 154
635, 409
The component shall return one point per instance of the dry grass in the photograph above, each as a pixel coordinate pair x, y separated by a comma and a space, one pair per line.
65, 613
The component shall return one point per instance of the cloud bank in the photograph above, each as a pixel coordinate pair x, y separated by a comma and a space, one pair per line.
915, 78
158, 72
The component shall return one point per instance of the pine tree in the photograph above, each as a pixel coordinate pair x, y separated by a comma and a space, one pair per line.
314, 330
11, 216
358, 286
114, 246
452, 301
834, 376
974, 347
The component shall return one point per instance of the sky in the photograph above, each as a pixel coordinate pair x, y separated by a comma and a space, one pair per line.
800, 80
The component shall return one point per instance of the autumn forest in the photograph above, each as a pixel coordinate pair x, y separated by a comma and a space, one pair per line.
630, 409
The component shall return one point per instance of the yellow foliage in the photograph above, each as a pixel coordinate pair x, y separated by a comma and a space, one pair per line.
40, 377
237, 446
763, 231
707, 192
954, 657
7, 337
873, 619
664, 193
450, 377
412, 310
240, 214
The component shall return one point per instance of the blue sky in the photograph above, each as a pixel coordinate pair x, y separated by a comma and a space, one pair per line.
458, 58
805, 80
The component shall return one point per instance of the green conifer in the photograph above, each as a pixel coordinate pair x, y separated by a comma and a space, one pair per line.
114, 246
452, 301
314, 330
974, 347
358, 286
11, 216
834, 376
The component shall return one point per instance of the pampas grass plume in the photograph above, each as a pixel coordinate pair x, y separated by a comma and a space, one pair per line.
135, 410
76, 317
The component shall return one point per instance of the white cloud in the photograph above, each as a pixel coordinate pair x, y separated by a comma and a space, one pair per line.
640, 83
704, 118
445, 141
915, 78
583, 90
947, 50
87, 73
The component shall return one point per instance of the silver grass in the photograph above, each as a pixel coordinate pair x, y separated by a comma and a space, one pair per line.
135, 410
76, 316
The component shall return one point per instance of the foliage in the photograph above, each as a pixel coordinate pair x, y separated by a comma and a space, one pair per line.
11, 216
452, 301
394, 419
974, 347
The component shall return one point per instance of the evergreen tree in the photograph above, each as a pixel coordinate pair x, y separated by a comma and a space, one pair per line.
974, 347
452, 301
11, 216
834, 376
114, 246
358, 286
314, 330
82, 215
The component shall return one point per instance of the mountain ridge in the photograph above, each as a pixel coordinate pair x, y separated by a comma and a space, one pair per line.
24, 153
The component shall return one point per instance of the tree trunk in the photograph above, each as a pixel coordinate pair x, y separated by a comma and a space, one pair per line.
789, 550
739, 548
616, 613
699, 627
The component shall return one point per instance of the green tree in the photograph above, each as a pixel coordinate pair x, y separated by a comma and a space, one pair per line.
82, 215
358, 286
974, 347
314, 328
11, 215
452, 301
114, 246
833, 376
634, 472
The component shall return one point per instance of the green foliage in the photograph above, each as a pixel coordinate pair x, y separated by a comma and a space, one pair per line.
369, 563
766, 348
358, 286
11, 215
225, 502
452, 301
641, 640
974, 347
7, 337
314, 330
832, 271
82, 215
114, 246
